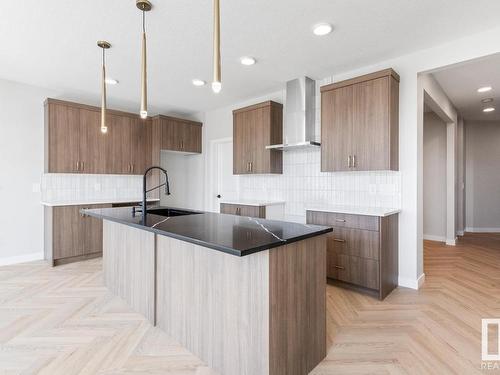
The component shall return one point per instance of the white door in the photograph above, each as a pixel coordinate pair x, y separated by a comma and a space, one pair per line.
225, 183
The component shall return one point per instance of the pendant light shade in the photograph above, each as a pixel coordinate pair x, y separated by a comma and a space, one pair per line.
104, 45
217, 83
144, 6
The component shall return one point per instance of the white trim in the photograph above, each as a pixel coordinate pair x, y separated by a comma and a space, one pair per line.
431, 237
482, 230
451, 242
421, 280
460, 233
21, 258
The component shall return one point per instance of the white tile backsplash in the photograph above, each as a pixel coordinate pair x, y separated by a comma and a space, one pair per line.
302, 184
64, 187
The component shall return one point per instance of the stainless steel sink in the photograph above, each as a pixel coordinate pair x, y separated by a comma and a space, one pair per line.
169, 212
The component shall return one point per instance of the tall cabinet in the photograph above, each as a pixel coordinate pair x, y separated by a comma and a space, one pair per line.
360, 123
254, 128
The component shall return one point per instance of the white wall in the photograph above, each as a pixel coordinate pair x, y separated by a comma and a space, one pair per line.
434, 177
482, 141
21, 164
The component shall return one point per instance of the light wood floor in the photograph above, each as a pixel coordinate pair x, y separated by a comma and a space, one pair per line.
63, 321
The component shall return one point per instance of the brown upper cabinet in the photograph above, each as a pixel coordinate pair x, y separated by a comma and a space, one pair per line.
74, 142
360, 123
254, 128
178, 135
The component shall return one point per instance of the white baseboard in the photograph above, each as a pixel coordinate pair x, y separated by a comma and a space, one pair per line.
431, 237
421, 280
21, 258
411, 283
482, 230
460, 233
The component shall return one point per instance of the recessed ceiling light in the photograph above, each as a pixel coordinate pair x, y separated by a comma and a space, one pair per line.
489, 109
199, 82
322, 29
484, 89
487, 100
111, 81
247, 60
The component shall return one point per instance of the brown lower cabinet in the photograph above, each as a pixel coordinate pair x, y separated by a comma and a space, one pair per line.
243, 210
71, 236
362, 251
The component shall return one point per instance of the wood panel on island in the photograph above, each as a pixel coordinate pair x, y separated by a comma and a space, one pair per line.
360, 123
362, 251
254, 128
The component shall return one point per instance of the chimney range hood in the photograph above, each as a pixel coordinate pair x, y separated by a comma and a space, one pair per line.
299, 129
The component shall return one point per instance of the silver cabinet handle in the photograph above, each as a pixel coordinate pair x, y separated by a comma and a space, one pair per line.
251, 166
349, 161
354, 161
77, 165
340, 267
338, 240
340, 220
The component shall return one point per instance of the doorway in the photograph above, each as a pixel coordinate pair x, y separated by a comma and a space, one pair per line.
224, 185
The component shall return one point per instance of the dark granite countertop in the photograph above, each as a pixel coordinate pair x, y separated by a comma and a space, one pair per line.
236, 235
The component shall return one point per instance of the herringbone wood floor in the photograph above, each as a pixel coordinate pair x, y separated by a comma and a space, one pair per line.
63, 321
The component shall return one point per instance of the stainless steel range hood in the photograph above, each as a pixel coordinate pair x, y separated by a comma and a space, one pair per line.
299, 129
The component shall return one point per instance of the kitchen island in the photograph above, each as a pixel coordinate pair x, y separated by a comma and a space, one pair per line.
246, 295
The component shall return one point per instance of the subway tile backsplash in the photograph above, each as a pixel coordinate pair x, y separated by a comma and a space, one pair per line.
302, 184
65, 187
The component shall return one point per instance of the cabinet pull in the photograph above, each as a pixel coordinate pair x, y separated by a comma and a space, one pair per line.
251, 166
354, 161
133, 165
340, 220
349, 161
340, 267
77, 165
338, 240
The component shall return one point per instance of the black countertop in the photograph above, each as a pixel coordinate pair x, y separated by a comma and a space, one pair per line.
236, 235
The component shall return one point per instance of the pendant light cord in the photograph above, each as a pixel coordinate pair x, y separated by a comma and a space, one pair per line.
103, 58
143, 21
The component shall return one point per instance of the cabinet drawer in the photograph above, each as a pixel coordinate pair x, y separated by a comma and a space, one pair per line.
334, 219
243, 210
351, 269
357, 242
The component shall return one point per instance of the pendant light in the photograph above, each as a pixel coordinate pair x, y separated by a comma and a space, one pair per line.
144, 6
216, 83
104, 45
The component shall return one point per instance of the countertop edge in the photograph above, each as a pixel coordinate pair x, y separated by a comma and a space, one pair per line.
354, 211
80, 203
223, 249
252, 203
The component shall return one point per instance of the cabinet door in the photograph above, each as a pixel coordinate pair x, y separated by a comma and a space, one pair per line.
229, 209
371, 133
63, 138
169, 135
191, 138
68, 232
117, 150
242, 143
252, 211
259, 122
93, 143
93, 232
336, 129
139, 153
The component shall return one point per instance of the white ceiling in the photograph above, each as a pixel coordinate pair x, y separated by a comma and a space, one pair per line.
460, 82
53, 43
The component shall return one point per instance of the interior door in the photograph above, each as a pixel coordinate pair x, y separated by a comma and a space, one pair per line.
370, 125
226, 184
336, 129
